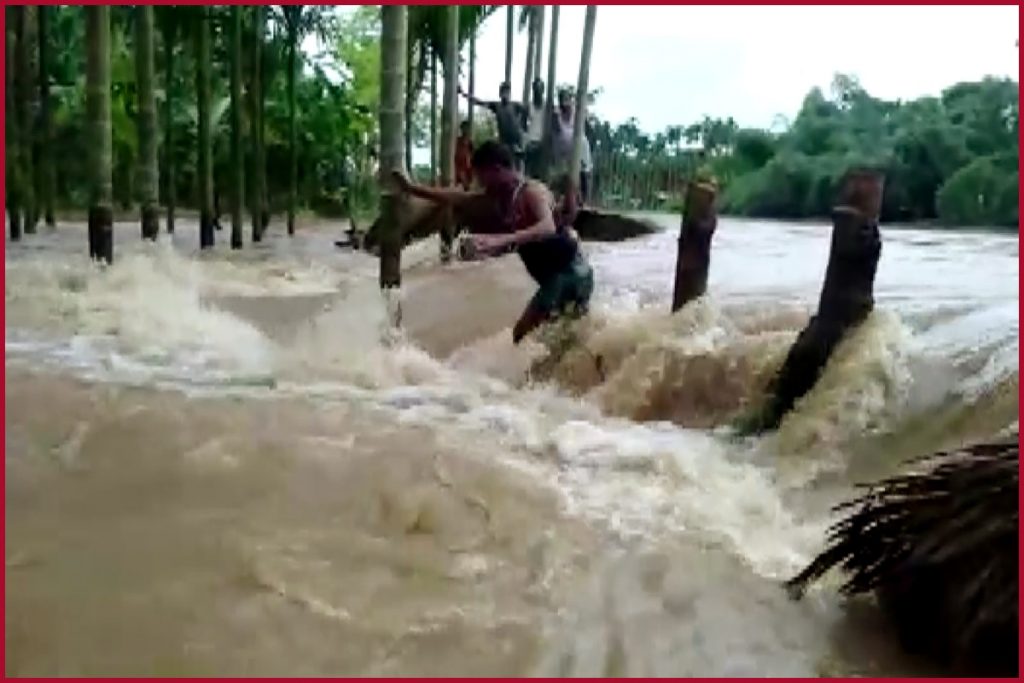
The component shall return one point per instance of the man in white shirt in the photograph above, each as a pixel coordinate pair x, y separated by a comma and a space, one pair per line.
564, 119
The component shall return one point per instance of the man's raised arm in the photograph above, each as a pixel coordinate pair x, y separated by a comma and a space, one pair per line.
438, 195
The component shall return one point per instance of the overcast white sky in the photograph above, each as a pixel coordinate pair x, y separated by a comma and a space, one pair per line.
673, 65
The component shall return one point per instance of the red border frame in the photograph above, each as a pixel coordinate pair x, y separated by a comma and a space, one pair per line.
3, 36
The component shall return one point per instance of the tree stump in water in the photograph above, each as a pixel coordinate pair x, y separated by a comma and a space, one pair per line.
694, 257
847, 296
938, 546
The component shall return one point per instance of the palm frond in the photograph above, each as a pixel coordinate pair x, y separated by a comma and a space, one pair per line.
947, 530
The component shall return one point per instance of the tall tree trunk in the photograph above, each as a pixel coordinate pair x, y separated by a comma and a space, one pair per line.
410, 103
450, 105
549, 102
23, 104
170, 31
582, 87
392, 80
538, 55
256, 123
262, 147
148, 173
44, 160
449, 120
237, 158
13, 168
509, 26
204, 167
531, 45
97, 93
293, 158
433, 118
472, 77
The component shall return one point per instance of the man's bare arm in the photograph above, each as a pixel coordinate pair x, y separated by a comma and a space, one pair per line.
477, 101
438, 195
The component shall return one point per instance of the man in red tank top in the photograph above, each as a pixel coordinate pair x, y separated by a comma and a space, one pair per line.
549, 251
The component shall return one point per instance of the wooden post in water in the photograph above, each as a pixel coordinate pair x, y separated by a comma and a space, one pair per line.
847, 296
694, 257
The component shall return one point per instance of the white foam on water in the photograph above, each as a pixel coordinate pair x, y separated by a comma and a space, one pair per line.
146, 320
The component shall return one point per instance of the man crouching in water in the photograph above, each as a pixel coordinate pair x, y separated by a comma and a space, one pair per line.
547, 244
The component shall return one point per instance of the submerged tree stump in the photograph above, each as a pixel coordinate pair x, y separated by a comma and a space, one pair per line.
847, 296
939, 548
693, 260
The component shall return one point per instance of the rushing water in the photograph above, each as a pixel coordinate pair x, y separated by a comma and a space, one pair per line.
221, 464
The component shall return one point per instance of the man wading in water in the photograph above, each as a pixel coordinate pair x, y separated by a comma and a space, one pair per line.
548, 246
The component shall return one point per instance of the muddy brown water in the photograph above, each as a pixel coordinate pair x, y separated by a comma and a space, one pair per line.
215, 465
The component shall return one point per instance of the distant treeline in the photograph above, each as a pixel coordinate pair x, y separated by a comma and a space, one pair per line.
951, 158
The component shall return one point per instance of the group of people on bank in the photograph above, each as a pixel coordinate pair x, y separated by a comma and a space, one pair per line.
521, 130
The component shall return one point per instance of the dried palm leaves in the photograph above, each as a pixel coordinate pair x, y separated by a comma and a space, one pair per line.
938, 546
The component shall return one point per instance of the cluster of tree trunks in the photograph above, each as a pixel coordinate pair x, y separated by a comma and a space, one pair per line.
938, 546
847, 296
31, 177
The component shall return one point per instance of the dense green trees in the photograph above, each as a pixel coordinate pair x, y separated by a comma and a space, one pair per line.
310, 130
951, 158
334, 112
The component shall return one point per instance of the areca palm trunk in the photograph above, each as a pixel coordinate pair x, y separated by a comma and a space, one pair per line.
509, 22
531, 45
433, 117
45, 169
449, 120
582, 86
237, 163
205, 140
549, 104
23, 110
472, 76
148, 174
449, 107
101, 219
293, 159
538, 55
169, 30
410, 102
11, 130
394, 33
256, 124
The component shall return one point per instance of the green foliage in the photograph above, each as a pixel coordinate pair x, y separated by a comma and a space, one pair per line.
952, 158
980, 193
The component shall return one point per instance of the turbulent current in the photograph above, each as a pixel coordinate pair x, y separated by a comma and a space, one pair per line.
226, 464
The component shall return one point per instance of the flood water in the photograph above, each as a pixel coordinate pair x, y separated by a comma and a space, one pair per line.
220, 464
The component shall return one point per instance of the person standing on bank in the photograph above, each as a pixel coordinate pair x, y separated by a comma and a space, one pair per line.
530, 224
561, 141
511, 118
